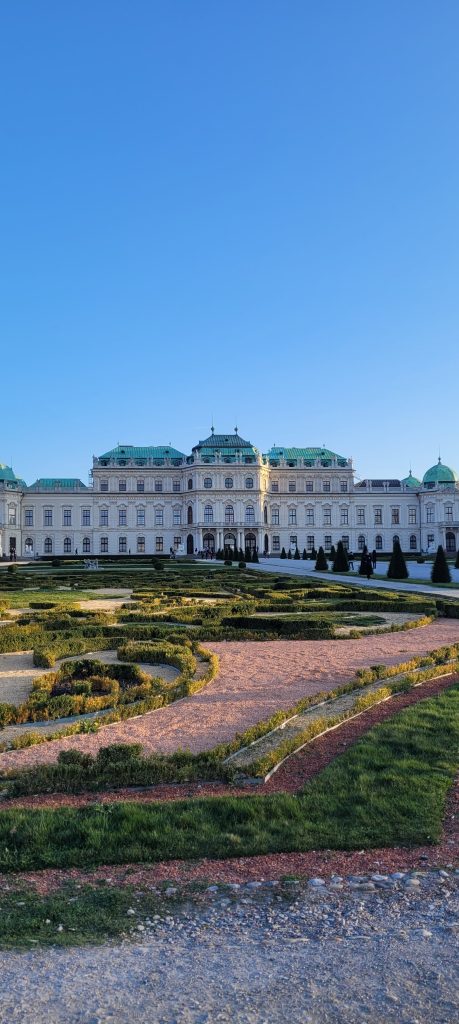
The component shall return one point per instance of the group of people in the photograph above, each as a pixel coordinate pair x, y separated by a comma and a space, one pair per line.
367, 563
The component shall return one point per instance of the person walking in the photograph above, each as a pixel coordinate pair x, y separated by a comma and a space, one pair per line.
373, 559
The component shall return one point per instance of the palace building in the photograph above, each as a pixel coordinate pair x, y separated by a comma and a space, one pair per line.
225, 493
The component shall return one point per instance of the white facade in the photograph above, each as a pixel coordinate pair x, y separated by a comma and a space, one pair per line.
151, 500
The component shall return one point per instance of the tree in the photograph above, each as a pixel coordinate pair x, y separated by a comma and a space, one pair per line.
456, 564
255, 555
283, 553
248, 555
314, 554
363, 562
397, 566
304, 555
332, 553
321, 561
297, 554
440, 569
341, 563
289, 553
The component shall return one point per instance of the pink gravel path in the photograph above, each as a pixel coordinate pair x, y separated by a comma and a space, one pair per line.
255, 679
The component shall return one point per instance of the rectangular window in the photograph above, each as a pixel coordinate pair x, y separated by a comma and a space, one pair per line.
276, 543
159, 517
86, 517
395, 519
309, 517
122, 545
292, 517
275, 516
67, 517
158, 486
177, 542
430, 518
48, 517
326, 486
292, 486
343, 486
412, 515
141, 486
176, 486
140, 517
413, 542
140, 545
122, 517
309, 486
275, 488
378, 516
344, 517
327, 541
158, 544
310, 541
360, 517
103, 517
449, 513
176, 517
28, 517
121, 485
12, 516
430, 540
345, 541
293, 540
104, 485
327, 516
104, 545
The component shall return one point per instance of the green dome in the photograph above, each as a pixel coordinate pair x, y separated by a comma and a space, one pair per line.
411, 481
440, 474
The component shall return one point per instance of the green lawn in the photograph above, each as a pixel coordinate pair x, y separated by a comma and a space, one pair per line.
388, 789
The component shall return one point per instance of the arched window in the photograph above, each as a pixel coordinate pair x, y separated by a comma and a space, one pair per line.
67, 546
189, 514
86, 545
250, 514
228, 482
48, 546
413, 542
265, 514
190, 484
450, 542
395, 537
28, 547
249, 482
361, 542
208, 514
229, 515
207, 482
378, 542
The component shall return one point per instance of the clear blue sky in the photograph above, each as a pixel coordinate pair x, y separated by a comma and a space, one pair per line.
245, 210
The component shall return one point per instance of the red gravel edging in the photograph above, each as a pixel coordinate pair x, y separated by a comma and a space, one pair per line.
305, 765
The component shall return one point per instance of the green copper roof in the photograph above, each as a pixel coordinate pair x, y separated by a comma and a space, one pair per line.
7, 474
411, 481
53, 483
309, 454
227, 443
440, 474
129, 451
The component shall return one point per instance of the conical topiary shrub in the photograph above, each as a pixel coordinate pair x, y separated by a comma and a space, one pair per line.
313, 554
297, 554
341, 563
304, 555
321, 561
255, 556
440, 569
456, 564
289, 553
283, 553
332, 553
397, 566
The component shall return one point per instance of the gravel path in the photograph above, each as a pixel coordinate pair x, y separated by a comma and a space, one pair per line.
374, 951
254, 681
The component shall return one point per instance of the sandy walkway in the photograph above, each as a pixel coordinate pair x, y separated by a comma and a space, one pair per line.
255, 679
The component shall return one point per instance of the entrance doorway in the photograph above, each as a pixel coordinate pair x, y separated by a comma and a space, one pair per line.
250, 542
208, 542
190, 544
13, 546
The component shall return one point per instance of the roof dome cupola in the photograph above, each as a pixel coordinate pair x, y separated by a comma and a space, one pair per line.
440, 475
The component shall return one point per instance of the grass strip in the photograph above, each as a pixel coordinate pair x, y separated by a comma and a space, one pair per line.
388, 789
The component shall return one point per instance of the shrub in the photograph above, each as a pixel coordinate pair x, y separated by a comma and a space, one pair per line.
456, 564
321, 561
56, 563
228, 561
297, 555
12, 567
283, 553
440, 569
341, 563
397, 566
289, 553
242, 565
304, 555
